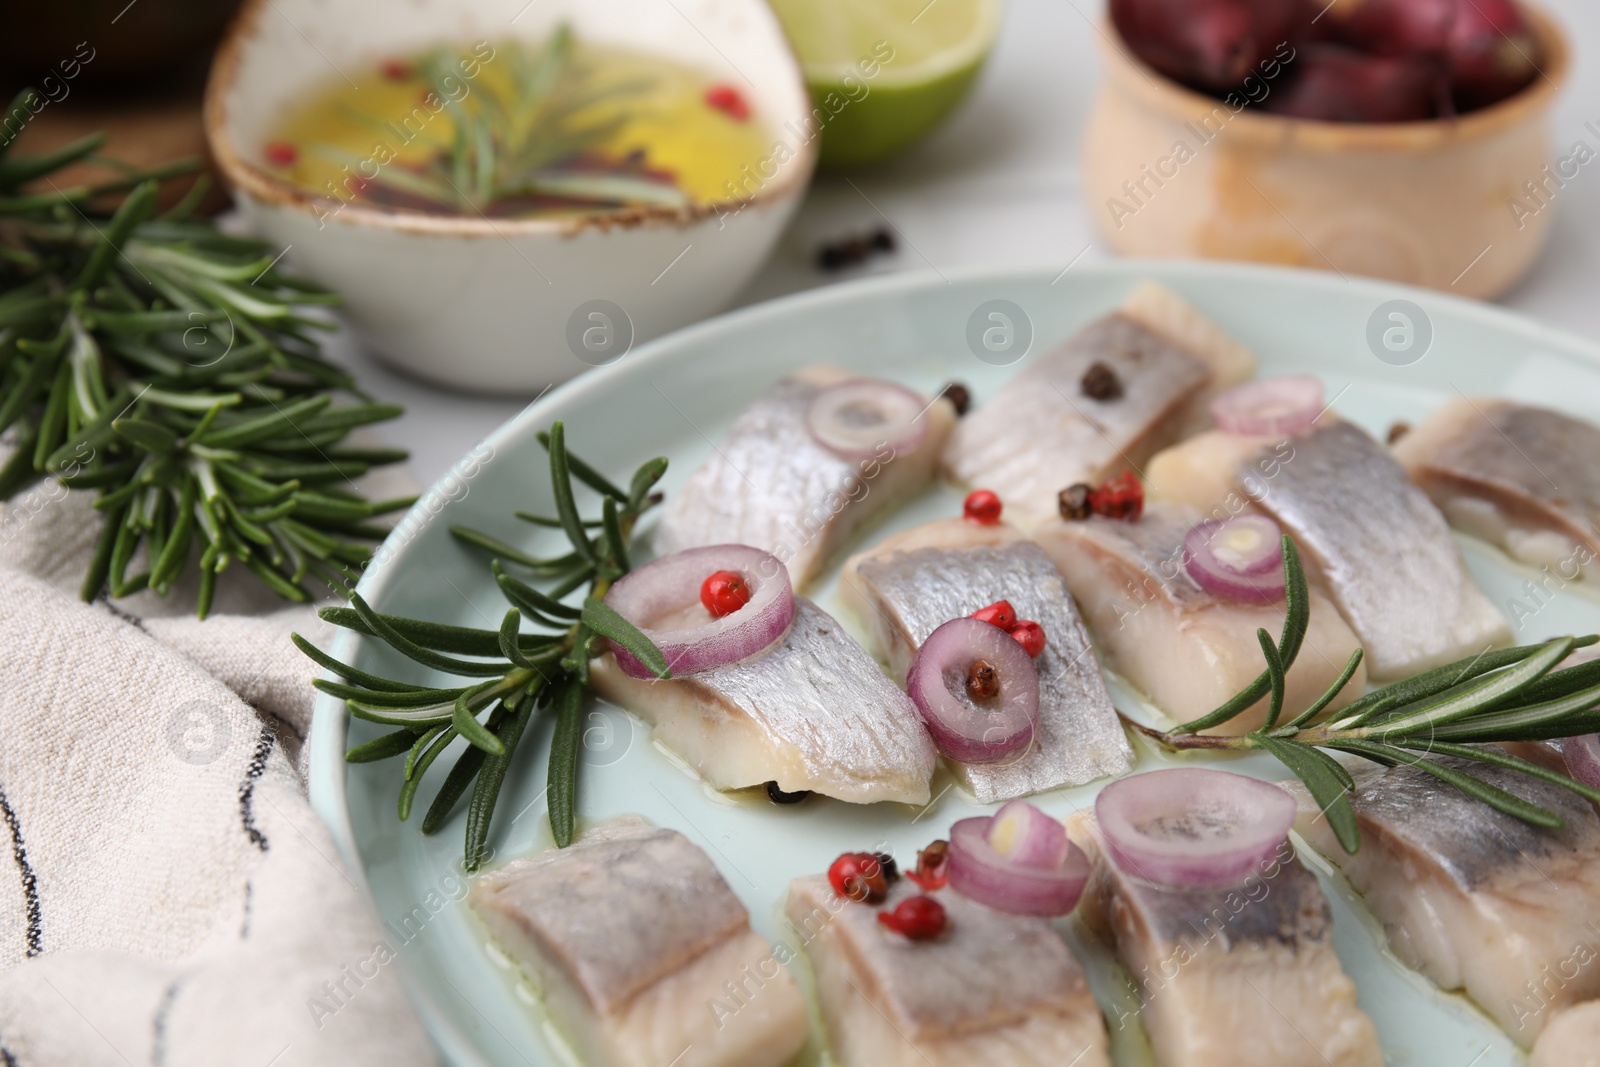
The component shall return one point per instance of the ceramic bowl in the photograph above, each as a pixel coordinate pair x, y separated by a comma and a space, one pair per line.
1445, 204
509, 304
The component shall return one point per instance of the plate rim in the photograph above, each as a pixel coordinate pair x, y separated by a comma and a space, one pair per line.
326, 771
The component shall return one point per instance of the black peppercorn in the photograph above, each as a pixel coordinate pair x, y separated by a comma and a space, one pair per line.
959, 396
1100, 382
1073, 502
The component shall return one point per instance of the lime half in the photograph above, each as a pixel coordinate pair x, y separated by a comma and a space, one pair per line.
883, 73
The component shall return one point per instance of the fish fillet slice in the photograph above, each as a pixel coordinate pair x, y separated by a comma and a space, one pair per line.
1520, 477
1572, 1039
1040, 433
814, 712
1384, 551
1474, 899
631, 935
912, 583
769, 484
1244, 976
1186, 649
993, 989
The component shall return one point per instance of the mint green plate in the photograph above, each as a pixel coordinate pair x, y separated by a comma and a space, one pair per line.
673, 397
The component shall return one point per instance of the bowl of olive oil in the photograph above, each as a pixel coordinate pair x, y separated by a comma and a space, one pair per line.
506, 193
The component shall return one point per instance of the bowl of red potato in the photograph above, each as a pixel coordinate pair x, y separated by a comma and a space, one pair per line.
1401, 139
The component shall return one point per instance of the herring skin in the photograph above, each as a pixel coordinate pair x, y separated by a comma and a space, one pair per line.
992, 989
631, 935
1237, 976
1518, 476
912, 583
1384, 552
812, 712
1477, 900
770, 485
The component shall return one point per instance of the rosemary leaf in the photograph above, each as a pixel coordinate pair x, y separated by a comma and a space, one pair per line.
1482, 694
468, 726
528, 598
563, 773
616, 543
486, 793
414, 773
1275, 676
561, 485
1499, 758
1492, 795
644, 479
605, 621
581, 470
466, 768
381, 748
1328, 783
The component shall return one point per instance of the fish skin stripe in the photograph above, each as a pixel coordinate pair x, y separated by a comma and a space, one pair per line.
30, 884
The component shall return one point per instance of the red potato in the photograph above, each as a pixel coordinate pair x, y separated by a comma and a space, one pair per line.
1208, 44
1331, 83
1395, 27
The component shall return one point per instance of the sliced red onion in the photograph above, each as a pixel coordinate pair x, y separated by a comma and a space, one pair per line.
981, 873
1239, 558
1028, 837
1270, 405
1189, 827
662, 599
1583, 758
964, 729
855, 419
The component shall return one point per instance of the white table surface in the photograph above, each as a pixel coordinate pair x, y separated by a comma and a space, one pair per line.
999, 184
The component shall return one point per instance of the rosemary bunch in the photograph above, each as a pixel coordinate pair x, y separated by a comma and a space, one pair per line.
508, 675
1499, 696
171, 369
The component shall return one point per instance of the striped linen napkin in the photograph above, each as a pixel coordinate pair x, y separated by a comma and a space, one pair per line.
167, 895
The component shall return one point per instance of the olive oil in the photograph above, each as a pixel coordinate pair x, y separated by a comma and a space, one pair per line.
521, 129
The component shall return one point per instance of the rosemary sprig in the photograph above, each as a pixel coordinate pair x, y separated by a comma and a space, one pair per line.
509, 675
1504, 695
537, 142
171, 368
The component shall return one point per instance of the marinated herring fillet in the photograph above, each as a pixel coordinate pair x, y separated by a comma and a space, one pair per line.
1238, 976
1383, 551
992, 989
1475, 899
1572, 1038
1520, 477
909, 585
1186, 649
813, 712
771, 485
631, 935
1043, 430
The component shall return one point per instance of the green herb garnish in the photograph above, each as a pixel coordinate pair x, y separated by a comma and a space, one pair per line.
533, 147
1503, 695
516, 674
171, 368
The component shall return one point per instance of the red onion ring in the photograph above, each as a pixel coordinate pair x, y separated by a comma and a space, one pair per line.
979, 872
1027, 837
1189, 827
1269, 406
856, 418
1238, 559
963, 729
1583, 758
691, 639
